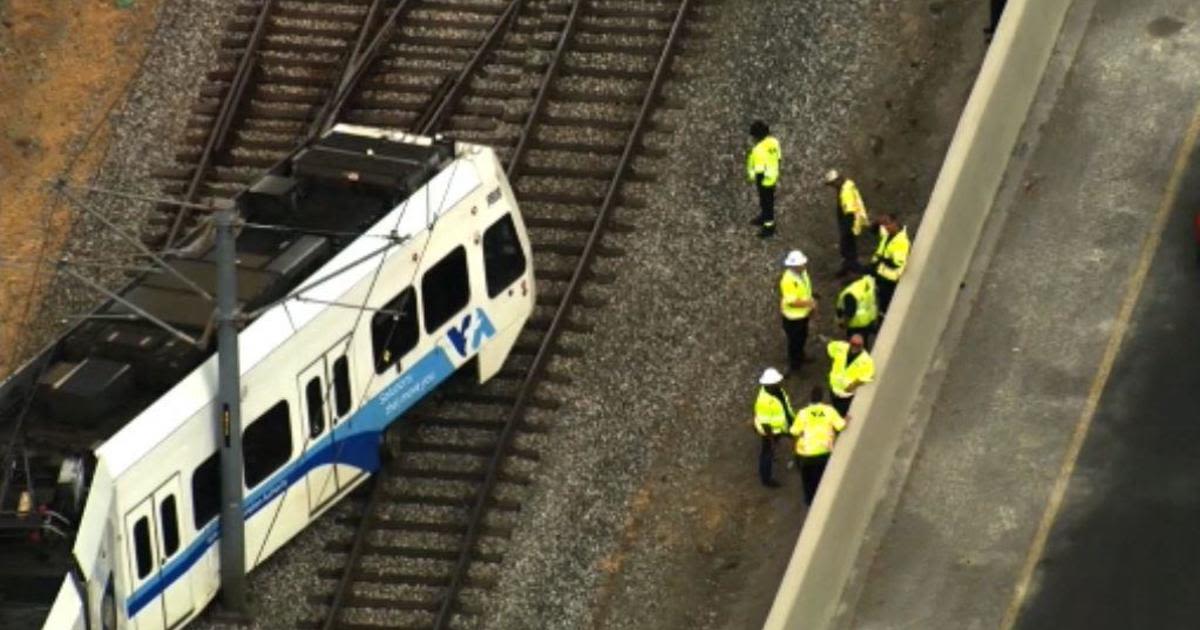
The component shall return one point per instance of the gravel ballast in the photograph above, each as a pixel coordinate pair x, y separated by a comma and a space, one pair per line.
144, 132
646, 511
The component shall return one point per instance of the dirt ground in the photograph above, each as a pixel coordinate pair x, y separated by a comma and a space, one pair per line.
727, 541
64, 66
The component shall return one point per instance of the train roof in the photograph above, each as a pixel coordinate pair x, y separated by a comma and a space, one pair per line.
276, 324
70, 402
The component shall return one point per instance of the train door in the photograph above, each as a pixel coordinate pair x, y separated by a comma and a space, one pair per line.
152, 531
326, 391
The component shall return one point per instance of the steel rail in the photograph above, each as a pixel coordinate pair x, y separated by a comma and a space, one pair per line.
427, 123
432, 120
545, 349
219, 134
356, 551
345, 74
355, 71
543, 93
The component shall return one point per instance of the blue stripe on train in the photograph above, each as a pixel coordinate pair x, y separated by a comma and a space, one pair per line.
354, 442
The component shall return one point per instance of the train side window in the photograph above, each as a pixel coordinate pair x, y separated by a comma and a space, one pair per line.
141, 547
445, 289
267, 444
206, 491
315, 400
394, 330
341, 386
503, 258
169, 524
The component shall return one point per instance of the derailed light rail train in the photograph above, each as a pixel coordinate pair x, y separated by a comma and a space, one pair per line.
402, 260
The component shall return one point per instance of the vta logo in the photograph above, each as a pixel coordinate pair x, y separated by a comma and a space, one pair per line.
479, 327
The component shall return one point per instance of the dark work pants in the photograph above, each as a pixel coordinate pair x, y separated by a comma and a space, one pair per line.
766, 206
797, 336
847, 243
811, 469
766, 457
884, 289
841, 404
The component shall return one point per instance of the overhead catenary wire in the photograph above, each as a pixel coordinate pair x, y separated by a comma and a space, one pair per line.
13, 443
132, 196
331, 620
357, 307
133, 307
39, 267
381, 252
291, 229
323, 279
329, 112
188, 282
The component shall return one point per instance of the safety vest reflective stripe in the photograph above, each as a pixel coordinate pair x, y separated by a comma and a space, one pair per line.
866, 309
770, 417
891, 254
764, 158
852, 203
862, 368
794, 286
815, 428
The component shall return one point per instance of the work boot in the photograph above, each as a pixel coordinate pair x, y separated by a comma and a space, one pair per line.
766, 232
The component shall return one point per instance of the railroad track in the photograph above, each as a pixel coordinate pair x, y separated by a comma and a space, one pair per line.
565, 90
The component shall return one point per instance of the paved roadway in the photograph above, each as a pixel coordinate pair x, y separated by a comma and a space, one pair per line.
1056, 483
1124, 551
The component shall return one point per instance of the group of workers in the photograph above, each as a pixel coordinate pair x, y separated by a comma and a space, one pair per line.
861, 305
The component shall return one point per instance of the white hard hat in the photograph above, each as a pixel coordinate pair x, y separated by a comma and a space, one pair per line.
770, 376
795, 258
832, 176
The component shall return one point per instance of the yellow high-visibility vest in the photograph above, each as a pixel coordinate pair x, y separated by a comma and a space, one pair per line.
794, 286
815, 428
764, 158
852, 203
891, 255
770, 413
862, 368
866, 309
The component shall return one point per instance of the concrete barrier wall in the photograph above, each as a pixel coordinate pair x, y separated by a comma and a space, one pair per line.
962, 198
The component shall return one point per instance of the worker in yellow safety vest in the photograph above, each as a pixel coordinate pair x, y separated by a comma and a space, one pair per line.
796, 304
857, 307
891, 256
762, 170
852, 368
773, 414
851, 216
815, 429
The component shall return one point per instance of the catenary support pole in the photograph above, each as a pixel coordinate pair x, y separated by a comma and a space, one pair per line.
229, 420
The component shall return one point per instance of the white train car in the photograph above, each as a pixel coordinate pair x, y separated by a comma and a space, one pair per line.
348, 333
